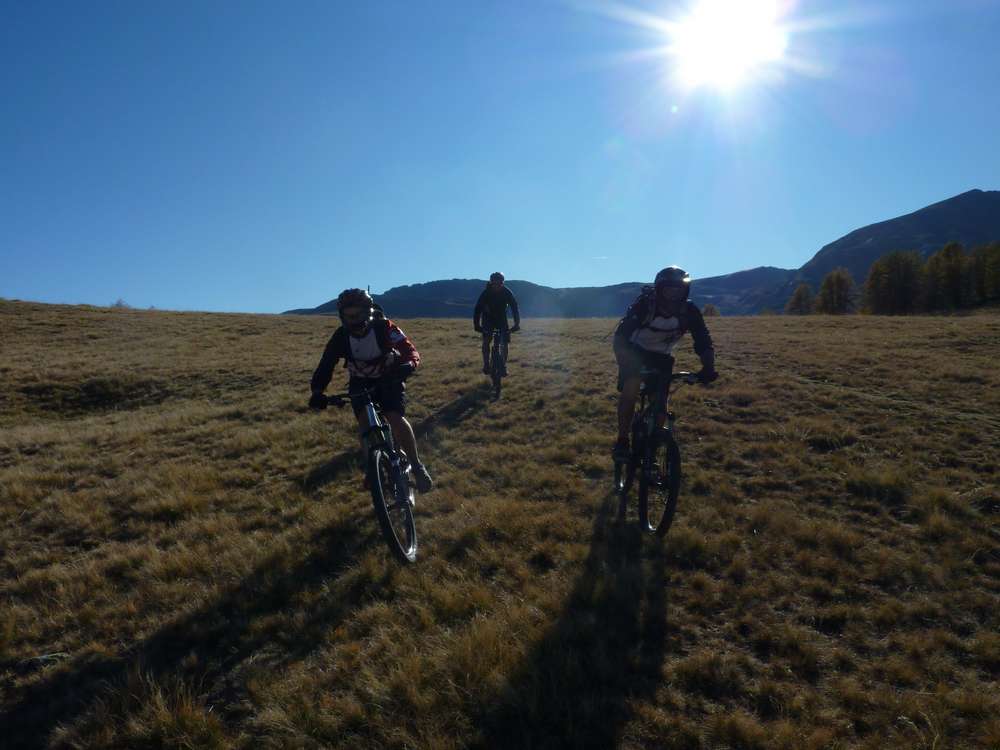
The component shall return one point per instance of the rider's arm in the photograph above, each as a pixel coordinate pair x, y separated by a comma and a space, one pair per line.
478, 312
702, 340
512, 301
399, 341
630, 323
332, 354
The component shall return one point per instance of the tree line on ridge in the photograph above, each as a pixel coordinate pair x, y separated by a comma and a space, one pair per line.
903, 283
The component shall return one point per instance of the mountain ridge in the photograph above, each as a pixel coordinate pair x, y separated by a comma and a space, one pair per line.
971, 218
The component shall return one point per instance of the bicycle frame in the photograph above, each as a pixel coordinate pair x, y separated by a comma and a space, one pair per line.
652, 429
393, 494
497, 336
661, 398
376, 425
378, 433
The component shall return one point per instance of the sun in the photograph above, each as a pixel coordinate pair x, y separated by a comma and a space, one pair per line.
723, 44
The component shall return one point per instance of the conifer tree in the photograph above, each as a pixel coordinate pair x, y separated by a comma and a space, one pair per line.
836, 293
801, 301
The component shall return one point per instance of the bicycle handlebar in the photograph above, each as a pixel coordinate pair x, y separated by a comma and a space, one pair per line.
683, 375
337, 399
341, 399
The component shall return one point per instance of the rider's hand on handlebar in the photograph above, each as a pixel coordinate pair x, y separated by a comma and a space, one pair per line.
516, 328
390, 360
317, 401
707, 376
402, 371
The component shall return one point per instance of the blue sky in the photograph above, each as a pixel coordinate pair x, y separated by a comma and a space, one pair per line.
262, 156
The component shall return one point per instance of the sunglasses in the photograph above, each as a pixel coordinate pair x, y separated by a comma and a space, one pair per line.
355, 316
672, 293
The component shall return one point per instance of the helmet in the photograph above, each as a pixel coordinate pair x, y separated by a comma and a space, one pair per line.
496, 276
673, 276
670, 279
356, 298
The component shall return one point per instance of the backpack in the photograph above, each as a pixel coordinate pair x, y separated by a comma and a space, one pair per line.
645, 304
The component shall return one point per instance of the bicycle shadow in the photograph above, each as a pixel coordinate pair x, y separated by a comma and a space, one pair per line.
455, 411
451, 414
577, 686
208, 647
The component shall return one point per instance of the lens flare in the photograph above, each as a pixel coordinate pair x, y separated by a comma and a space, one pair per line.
724, 43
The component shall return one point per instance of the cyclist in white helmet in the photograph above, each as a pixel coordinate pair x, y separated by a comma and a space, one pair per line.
647, 335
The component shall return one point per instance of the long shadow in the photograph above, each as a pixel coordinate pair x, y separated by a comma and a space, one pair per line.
456, 411
576, 687
205, 647
449, 415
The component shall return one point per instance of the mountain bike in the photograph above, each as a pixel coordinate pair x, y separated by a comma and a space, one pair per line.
388, 473
497, 361
655, 457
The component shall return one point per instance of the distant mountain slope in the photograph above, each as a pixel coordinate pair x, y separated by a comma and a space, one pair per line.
742, 292
456, 298
972, 218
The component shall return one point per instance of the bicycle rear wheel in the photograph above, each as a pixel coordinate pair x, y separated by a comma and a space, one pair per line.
659, 486
392, 498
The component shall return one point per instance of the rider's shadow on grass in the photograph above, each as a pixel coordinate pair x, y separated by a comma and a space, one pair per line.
242, 628
577, 687
451, 414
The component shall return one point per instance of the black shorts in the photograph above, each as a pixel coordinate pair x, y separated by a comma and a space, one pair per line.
631, 360
389, 393
488, 335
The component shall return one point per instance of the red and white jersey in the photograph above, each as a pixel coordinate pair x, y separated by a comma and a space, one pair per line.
382, 347
368, 360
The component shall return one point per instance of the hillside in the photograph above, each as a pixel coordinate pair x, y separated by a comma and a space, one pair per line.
189, 559
972, 219
456, 298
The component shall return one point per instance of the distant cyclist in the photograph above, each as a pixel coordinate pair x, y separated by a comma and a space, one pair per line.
647, 335
491, 314
378, 355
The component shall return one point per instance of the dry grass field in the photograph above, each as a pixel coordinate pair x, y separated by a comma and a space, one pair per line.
188, 559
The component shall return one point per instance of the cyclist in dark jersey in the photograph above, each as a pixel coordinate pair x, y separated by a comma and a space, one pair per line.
491, 313
647, 335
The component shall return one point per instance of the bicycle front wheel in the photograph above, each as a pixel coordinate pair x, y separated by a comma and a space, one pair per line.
392, 498
624, 475
659, 486
496, 373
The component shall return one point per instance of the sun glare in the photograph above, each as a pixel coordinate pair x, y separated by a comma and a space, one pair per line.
724, 43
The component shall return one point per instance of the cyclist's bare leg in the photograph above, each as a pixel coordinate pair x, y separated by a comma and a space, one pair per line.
402, 432
626, 406
362, 418
486, 350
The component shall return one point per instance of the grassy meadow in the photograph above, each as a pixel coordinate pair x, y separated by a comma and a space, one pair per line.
188, 558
